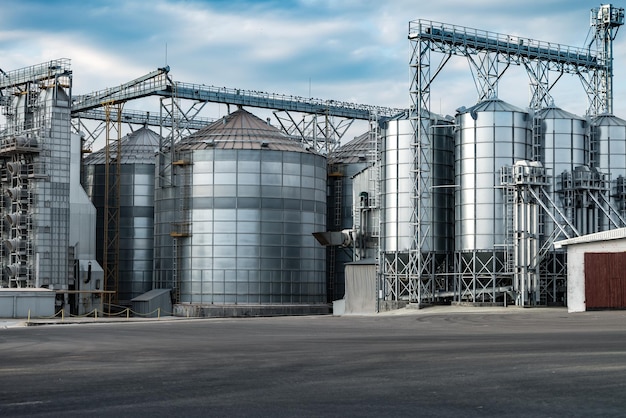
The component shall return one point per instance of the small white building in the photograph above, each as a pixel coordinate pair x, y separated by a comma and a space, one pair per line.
596, 270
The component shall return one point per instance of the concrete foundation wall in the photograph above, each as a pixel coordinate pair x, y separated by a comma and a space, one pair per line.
19, 303
237, 311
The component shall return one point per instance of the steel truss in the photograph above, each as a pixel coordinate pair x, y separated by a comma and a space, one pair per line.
112, 186
490, 54
28, 122
328, 120
482, 275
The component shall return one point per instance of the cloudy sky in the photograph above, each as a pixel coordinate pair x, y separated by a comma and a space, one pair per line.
349, 50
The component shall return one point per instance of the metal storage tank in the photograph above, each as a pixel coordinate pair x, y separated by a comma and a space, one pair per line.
398, 171
564, 145
136, 225
235, 216
399, 208
492, 134
608, 133
343, 163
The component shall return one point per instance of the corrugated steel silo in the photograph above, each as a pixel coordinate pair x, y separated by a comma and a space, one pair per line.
402, 211
492, 134
399, 170
564, 145
235, 224
608, 133
136, 223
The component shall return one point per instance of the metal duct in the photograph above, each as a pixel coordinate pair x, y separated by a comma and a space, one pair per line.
17, 193
15, 245
17, 219
15, 269
14, 168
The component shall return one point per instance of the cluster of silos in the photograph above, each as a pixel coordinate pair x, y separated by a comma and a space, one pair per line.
136, 210
465, 210
235, 209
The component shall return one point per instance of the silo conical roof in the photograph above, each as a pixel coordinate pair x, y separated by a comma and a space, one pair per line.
608, 120
240, 130
492, 105
357, 150
139, 146
553, 112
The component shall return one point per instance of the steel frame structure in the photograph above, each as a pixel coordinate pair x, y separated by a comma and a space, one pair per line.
27, 125
489, 55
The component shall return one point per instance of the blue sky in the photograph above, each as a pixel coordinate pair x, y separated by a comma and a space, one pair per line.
345, 50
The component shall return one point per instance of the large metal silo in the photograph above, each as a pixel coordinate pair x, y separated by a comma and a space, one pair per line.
492, 134
136, 224
608, 134
564, 147
399, 201
235, 216
399, 170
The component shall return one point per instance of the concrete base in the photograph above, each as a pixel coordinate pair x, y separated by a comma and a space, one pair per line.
238, 311
339, 307
391, 305
477, 304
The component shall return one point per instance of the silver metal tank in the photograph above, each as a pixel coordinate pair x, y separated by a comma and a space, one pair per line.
235, 224
343, 164
136, 225
564, 145
608, 132
491, 134
399, 172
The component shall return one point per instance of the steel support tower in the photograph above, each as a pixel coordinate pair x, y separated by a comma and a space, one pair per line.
489, 55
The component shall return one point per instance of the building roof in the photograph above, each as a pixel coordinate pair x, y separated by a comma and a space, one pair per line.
138, 147
240, 130
613, 234
358, 150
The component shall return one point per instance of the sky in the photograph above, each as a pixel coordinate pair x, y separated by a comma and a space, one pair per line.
346, 50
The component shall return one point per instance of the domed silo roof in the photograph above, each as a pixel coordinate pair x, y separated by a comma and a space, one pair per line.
240, 130
355, 151
491, 105
137, 147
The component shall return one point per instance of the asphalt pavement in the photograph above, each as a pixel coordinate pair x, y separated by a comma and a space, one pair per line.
440, 362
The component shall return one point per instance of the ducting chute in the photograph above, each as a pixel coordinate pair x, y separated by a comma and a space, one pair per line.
17, 219
334, 238
17, 194
15, 270
15, 245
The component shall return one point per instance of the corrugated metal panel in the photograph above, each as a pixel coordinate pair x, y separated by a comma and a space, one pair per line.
598, 236
357, 150
138, 147
605, 283
241, 130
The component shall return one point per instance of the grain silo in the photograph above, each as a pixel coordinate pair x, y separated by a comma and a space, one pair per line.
136, 225
491, 135
400, 213
564, 147
608, 154
235, 210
